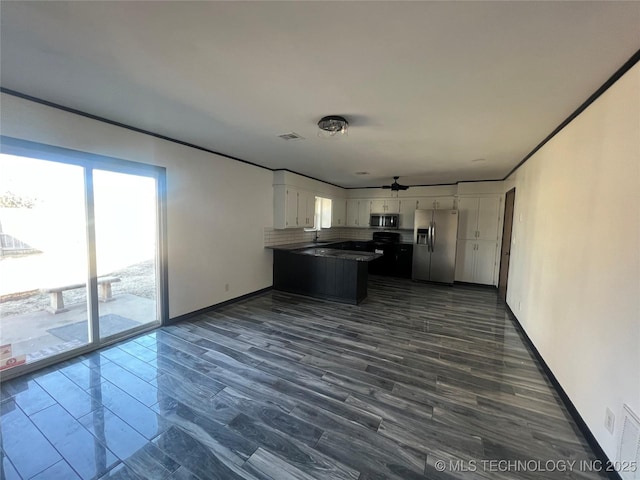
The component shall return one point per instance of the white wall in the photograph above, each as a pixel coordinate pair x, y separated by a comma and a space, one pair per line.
217, 208
574, 277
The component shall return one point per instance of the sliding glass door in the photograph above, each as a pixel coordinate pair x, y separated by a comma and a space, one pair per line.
43, 260
126, 251
80, 256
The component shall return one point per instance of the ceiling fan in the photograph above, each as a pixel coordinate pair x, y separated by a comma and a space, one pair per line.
395, 186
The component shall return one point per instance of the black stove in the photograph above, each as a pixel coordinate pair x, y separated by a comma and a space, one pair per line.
385, 238
385, 243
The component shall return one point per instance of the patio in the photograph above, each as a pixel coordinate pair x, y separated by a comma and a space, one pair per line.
40, 334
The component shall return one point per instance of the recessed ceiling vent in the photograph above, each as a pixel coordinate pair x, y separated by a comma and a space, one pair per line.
291, 136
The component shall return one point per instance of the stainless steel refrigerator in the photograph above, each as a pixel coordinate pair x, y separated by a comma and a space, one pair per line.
435, 234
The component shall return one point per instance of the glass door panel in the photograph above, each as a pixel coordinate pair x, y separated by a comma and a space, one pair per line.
126, 230
43, 260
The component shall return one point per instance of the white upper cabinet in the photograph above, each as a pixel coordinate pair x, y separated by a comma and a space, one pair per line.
388, 205
352, 213
488, 217
467, 217
358, 211
293, 208
479, 217
378, 206
285, 207
408, 208
306, 208
436, 203
339, 212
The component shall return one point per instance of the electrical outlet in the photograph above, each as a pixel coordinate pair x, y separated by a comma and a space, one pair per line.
226, 287
519, 306
609, 420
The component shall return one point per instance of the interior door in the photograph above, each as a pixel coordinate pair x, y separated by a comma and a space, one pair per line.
505, 250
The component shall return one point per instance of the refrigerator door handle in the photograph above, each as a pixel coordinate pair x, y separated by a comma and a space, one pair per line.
429, 238
433, 236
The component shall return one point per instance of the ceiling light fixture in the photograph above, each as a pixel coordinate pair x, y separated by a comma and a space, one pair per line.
332, 125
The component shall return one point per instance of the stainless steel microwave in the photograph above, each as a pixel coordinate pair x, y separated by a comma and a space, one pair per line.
384, 220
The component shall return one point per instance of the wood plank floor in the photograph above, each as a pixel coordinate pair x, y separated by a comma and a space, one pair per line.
285, 387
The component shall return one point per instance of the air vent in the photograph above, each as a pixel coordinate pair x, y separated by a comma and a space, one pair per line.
291, 136
629, 447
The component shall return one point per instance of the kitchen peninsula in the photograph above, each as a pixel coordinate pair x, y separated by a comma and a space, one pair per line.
329, 271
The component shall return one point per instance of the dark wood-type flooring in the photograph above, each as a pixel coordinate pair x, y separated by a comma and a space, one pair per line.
285, 387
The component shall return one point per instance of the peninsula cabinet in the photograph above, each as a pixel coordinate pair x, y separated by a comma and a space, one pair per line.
476, 261
478, 217
358, 212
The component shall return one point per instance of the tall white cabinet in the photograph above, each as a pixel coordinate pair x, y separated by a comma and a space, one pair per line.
478, 235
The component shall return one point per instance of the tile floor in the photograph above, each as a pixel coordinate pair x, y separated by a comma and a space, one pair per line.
417, 378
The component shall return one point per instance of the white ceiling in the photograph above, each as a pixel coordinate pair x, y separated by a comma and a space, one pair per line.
428, 87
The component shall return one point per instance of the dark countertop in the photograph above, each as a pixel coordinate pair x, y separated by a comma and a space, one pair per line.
299, 246
337, 253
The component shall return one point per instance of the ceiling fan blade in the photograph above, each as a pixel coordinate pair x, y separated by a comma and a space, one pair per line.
403, 187
386, 186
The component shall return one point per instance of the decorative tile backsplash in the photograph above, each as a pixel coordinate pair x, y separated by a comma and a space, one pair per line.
298, 235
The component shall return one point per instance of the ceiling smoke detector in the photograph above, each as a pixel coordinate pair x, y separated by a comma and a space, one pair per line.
332, 125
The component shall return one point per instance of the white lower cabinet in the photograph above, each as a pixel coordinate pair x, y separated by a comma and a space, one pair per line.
476, 261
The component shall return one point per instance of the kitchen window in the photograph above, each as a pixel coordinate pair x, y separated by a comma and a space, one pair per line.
322, 216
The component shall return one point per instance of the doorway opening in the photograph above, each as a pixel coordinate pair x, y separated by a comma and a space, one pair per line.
505, 250
81, 253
